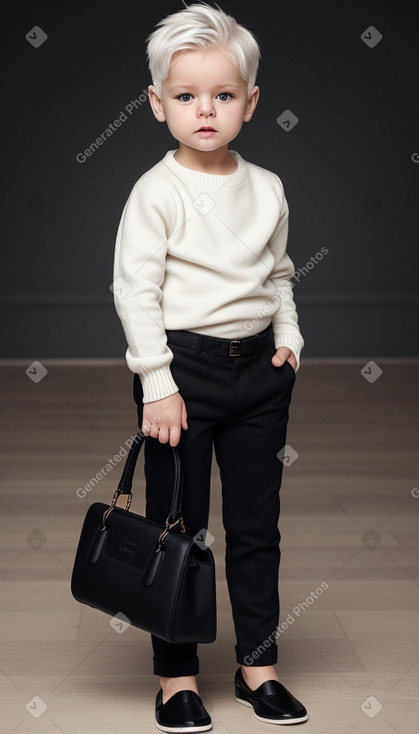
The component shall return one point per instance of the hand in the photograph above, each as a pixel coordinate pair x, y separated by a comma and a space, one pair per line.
163, 419
282, 355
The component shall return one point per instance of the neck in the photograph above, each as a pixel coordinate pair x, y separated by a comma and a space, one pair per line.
217, 162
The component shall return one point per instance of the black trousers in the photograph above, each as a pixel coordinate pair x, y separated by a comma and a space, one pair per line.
239, 405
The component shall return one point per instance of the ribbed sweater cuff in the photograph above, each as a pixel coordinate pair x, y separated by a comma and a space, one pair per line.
292, 341
158, 384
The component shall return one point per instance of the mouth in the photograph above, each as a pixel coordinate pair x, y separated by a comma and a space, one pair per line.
206, 129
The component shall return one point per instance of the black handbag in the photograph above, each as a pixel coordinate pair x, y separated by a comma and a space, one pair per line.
154, 576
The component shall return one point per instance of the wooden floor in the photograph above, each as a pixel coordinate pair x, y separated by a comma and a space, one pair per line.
349, 519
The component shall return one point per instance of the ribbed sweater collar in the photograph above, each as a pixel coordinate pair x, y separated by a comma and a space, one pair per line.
209, 179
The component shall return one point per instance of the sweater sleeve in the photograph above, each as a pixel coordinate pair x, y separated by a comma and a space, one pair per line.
147, 221
285, 320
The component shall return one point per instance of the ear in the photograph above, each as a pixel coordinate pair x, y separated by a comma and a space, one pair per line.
251, 104
156, 104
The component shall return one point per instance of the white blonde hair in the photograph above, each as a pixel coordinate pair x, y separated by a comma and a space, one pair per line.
200, 26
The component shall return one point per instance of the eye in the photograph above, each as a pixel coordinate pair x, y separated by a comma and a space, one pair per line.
225, 94
185, 94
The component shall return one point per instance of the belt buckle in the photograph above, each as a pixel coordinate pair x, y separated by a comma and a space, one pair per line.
234, 348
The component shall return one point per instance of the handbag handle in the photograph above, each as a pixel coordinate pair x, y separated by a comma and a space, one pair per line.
125, 484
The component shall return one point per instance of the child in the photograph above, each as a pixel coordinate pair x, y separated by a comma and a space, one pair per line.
213, 341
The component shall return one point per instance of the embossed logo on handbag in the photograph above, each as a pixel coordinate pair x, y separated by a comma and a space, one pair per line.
126, 549
128, 546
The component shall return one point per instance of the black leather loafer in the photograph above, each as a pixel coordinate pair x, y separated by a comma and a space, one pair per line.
271, 702
183, 712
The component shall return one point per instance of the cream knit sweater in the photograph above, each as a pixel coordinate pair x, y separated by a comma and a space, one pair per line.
206, 253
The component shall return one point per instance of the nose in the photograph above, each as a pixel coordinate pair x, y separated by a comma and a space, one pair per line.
206, 107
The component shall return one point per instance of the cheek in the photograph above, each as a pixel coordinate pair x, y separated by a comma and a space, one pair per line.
173, 120
172, 113
234, 118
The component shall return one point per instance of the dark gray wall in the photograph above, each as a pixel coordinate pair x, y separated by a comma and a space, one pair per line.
350, 166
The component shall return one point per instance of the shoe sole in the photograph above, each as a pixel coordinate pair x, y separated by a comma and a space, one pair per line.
180, 729
272, 721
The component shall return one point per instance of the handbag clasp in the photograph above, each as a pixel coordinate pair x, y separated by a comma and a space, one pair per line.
113, 504
169, 526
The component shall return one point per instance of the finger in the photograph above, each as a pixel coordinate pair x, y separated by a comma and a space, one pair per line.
278, 360
148, 422
280, 356
163, 435
154, 431
174, 436
145, 428
184, 418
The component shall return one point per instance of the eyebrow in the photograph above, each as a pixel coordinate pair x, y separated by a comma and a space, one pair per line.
191, 86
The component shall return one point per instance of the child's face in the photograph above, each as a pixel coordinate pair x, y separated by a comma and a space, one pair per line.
203, 88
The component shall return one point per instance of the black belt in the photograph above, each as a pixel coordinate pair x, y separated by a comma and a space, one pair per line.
217, 345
